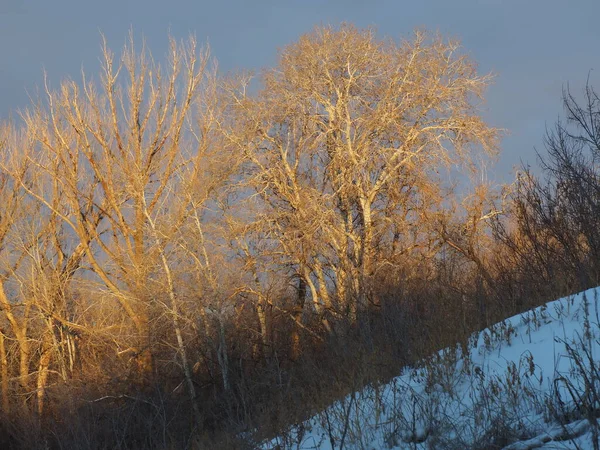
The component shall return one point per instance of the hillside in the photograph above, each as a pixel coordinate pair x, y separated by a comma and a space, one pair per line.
531, 381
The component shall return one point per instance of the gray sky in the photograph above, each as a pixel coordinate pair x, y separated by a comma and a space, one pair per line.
533, 46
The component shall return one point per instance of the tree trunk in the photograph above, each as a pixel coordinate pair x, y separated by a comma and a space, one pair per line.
297, 315
364, 259
323, 292
222, 355
42, 376
261, 311
4, 375
144, 357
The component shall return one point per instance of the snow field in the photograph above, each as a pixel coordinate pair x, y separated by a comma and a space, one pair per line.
531, 381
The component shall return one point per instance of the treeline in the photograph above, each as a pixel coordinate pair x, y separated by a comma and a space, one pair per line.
189, 260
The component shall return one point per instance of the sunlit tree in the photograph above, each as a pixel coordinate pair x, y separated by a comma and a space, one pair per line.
346, 145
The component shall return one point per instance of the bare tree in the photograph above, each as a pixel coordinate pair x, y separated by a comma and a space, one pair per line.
344, 146
553, 235
114, 153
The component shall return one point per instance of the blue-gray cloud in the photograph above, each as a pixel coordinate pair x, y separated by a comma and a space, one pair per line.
12, 7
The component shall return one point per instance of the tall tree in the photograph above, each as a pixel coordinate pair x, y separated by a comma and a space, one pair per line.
345, 144
115, 154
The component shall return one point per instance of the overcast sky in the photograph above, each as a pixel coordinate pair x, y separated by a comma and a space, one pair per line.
533, 46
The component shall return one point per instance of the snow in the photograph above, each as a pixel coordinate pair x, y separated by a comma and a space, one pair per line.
529, 382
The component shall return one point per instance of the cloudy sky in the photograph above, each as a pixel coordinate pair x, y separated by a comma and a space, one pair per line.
533, 46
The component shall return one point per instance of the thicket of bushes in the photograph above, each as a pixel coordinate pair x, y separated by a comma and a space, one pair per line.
187, 263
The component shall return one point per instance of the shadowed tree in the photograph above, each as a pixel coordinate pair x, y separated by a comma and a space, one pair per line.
553, 235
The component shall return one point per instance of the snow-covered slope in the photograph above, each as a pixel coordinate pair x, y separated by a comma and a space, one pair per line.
532, 381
